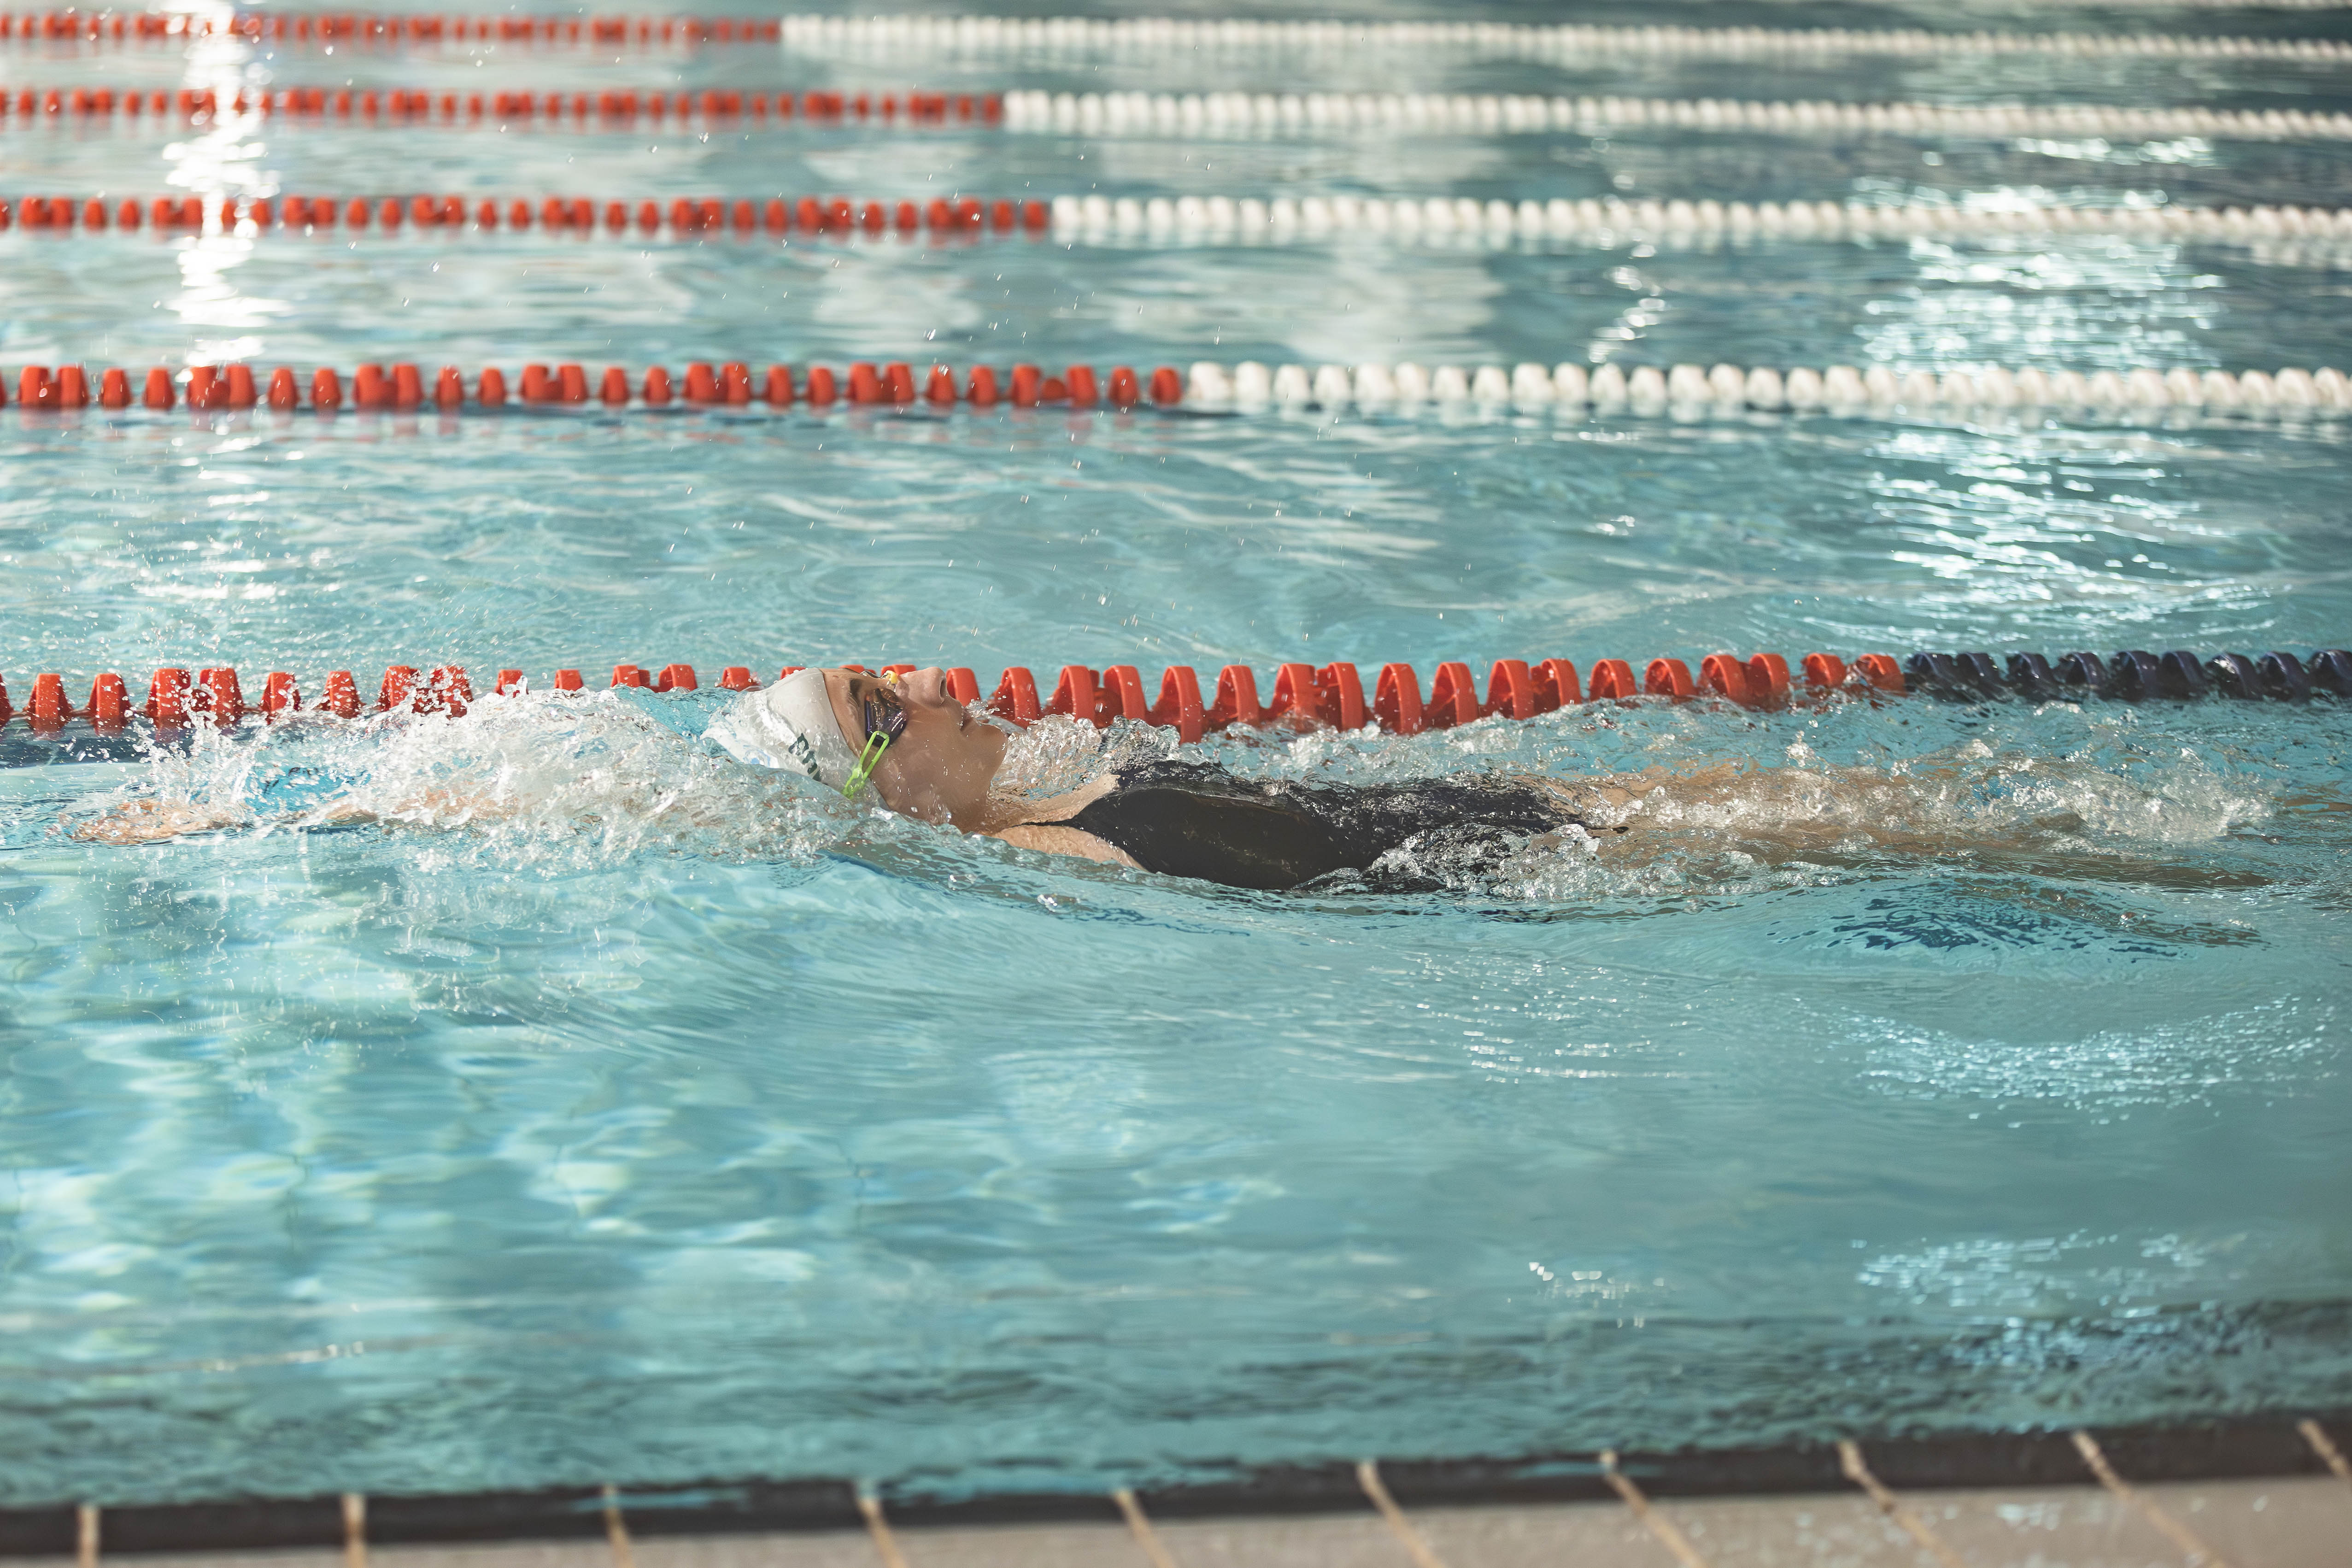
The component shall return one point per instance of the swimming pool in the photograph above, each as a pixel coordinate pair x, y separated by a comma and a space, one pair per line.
683, 1125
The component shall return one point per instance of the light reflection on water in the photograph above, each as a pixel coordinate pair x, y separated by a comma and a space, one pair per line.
667, 1121
668, 1088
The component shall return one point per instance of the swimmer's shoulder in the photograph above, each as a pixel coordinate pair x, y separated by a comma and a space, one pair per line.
1069, 802
1044, 826
1048, 824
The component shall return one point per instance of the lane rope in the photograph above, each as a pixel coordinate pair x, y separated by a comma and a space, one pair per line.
1332, 695
1292, 115
1437, 219
1565, 43
678, 219
1682, 392
24, 107
1190, 116
403, 388
1151, 35
350, 28
1690, 392
2286, 234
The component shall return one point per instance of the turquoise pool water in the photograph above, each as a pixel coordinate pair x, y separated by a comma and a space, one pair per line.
674, 1121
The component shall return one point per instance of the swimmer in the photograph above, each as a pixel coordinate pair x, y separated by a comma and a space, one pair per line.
911, 745
925, 756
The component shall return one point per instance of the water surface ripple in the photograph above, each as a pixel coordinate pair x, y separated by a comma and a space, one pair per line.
611, 1113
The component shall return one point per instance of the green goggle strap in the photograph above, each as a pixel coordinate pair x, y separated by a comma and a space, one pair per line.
867, 761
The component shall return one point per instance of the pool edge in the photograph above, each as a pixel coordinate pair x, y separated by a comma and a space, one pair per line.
2238, 1448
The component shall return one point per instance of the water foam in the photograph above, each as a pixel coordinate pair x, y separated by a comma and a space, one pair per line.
586, 779
1736, 826
600, 778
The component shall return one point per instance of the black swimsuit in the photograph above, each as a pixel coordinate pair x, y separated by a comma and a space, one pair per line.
1189, 819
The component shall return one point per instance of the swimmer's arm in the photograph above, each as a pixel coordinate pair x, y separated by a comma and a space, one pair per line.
154, 820
1041, 825
1050, 839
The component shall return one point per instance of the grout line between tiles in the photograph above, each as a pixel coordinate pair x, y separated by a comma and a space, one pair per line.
616, 1529
1141, 1524
1368, 1475
1895, 1508
886, 1545
2324, 1446
2180, 1534
1658, 1524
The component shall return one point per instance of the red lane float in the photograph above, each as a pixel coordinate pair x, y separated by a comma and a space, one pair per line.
352, 27
1303, 695
402, 388
395, 107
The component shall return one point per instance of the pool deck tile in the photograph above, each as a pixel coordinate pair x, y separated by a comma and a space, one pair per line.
813, 1549
2256, 1523
1542, 1535
587, 1553
2298, 1523
2285, 1523
1814, 1531
1318, 1541
503, 1554
1005, 1545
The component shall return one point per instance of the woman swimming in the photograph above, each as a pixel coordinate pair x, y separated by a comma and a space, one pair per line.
927, 757
910, 744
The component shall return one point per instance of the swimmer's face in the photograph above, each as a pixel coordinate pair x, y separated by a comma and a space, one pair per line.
941, 768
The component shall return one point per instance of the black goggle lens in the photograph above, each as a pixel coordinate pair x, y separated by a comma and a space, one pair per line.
885, 712
884, 720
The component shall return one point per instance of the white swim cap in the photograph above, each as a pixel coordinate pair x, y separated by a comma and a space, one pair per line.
791, 725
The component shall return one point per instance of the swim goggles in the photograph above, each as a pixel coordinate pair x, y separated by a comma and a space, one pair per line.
885, 712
